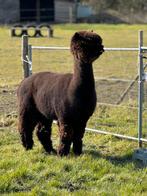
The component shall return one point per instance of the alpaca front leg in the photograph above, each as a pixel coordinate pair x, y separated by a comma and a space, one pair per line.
77, 146
77, 141
66, 134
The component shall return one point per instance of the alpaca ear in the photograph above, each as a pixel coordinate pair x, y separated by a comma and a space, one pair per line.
77, 35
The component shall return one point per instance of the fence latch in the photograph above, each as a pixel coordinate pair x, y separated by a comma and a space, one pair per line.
144, 76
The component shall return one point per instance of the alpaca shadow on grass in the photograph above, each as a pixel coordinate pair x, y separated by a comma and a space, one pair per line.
116, 160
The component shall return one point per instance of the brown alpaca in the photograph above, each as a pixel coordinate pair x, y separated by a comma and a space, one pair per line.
68, 98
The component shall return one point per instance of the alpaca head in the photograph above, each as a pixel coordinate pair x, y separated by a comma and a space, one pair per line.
86, 46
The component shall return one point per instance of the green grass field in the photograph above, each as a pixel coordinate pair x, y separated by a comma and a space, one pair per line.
106, 166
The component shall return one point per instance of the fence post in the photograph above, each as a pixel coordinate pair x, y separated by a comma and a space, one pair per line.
140, 88
24, 55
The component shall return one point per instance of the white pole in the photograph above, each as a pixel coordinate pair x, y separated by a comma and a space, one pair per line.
140, 88
30, 58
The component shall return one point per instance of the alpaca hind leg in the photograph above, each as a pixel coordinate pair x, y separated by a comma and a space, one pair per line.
26, 128
66, 134
44, 136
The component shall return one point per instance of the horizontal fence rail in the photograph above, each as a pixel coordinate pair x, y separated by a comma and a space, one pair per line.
116, 135
68, 48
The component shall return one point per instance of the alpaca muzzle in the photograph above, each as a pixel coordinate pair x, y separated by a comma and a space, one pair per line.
101, 50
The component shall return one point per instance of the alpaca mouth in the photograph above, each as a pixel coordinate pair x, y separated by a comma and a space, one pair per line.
102, 50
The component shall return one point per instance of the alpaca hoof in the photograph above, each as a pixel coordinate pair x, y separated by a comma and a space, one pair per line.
54, 151
77, 154
62, 153
51, 151
28, 146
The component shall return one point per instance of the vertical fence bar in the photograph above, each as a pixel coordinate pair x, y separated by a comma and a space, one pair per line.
76, 10
140, 88
24, 55
70, 14
38, 11
30, 58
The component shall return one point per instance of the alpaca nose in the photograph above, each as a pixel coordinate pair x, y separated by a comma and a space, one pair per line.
101, 49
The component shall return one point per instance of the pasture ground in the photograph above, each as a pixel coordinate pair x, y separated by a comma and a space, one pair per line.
106, 166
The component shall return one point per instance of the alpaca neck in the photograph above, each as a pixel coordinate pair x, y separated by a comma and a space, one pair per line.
83, 77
